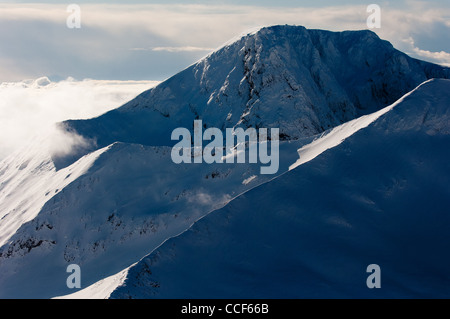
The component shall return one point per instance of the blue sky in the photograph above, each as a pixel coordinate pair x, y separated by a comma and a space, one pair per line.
152, 40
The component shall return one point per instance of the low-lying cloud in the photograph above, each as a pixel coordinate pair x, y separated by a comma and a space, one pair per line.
31, 108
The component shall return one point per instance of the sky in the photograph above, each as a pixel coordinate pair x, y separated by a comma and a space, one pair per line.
50, 72
152, 40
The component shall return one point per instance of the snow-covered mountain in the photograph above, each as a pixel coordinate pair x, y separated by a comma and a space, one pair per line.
301, 81
381, 197
120, 197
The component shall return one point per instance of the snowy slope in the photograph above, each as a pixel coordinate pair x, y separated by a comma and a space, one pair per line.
29, 179
128, 201
381, 197
301, 81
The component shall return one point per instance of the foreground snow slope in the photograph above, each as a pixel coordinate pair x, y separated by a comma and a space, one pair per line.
129, 200
381, 197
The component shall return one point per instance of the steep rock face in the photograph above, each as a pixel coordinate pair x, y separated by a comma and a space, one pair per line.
301, 81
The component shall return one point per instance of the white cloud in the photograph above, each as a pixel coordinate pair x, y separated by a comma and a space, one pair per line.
182, 49
59, 142
122, 35
440, 57
418, 20
32, 107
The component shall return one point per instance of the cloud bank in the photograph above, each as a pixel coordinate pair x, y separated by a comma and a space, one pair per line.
132, 41
30, 108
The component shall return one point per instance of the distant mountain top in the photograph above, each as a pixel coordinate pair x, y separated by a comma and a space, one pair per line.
299, 80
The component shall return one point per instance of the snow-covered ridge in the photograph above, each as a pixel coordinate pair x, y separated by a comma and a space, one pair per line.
136, 281
125, 204
380, 197
337, 135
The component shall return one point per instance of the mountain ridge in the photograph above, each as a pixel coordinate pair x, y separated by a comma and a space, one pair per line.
143, 279
302, 81
358, 223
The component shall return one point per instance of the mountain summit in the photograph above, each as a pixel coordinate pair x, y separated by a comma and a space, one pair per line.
299, 80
